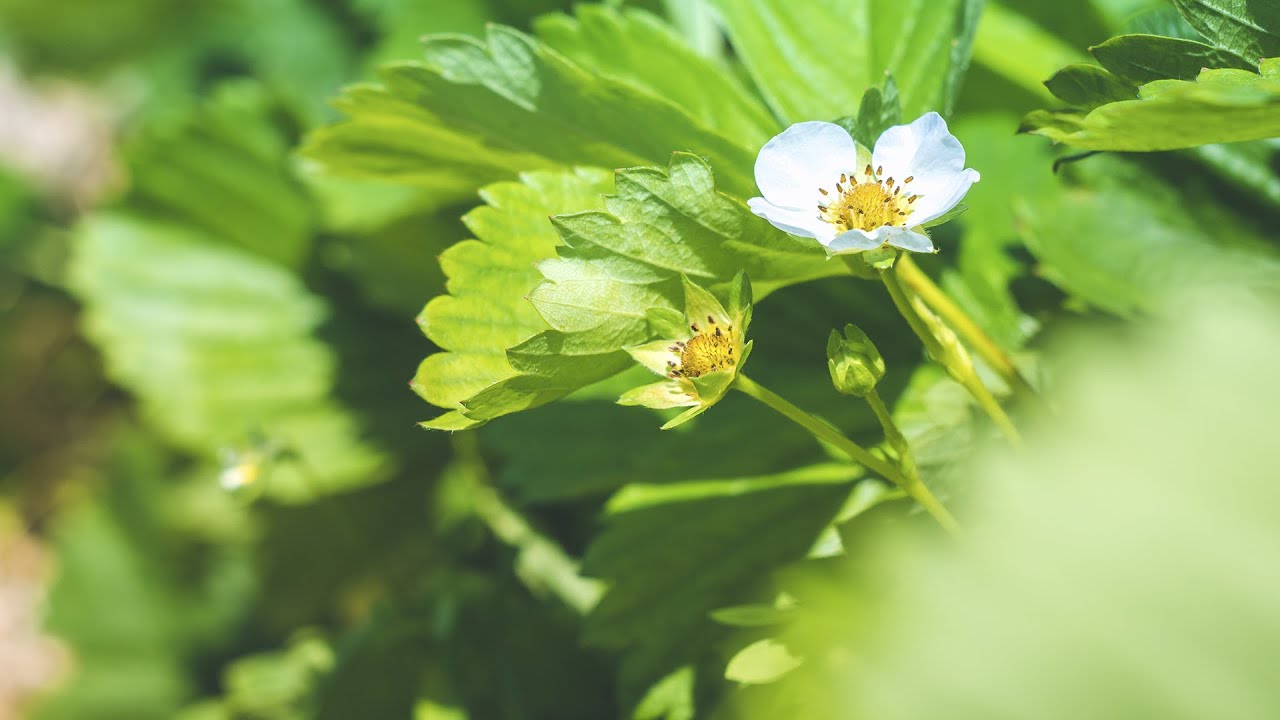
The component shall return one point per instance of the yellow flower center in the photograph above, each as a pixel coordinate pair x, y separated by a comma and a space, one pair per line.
867, 203
713, 347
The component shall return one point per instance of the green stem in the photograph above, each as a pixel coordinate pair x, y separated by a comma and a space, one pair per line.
896, 439
819, 429
540, 562
915, 279
965, 375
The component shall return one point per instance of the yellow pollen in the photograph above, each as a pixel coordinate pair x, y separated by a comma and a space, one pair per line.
867, 204
709, 350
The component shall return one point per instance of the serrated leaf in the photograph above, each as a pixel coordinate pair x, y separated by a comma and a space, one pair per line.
486, 109
217, 344
1247, 28
486, 311
1144, 58
1220, 106
633, 45
814, 60
670, 564
224, 167
1088, 86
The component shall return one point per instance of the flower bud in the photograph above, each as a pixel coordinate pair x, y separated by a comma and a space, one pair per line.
854, 362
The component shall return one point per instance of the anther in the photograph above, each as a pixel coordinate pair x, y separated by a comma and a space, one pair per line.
822, 190
909, 179
839, 189
902, 213
674, 348
868, 170
717, 332
889, 182
912, 199
880, 170
711, 320
694, 327
897, 190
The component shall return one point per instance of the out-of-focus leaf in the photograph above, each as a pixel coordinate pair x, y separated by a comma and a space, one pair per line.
814, 60
1220, 106
761, 662
1248, 28
1253, 168
1019, 49
217, 345
223, 166
1144, 58
1127, 242
671, 561
488, 109
635, 46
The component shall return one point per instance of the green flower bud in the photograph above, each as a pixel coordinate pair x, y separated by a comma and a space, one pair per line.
854, 362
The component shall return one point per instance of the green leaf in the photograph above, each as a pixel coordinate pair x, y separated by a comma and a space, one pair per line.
878, 111
486, 311
1143, 58
1088, 86
1220, 106
670, 563
1247, 28
760, 663
486, 109
635, 46
814, 60
223, 166
1163, 251
217, 344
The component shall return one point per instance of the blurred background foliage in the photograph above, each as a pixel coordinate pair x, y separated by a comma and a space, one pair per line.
214, 501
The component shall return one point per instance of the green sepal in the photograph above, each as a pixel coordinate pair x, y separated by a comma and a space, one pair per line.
667, 323
712, 386
660, 396
685, 416
699, 303
740, 303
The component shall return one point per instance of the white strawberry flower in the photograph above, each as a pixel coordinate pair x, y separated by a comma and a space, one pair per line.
818, 183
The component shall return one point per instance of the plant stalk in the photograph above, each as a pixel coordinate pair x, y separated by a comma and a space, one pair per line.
913, 486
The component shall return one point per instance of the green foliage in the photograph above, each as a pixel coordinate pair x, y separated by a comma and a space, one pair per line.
1145, 58
1220, 106
1247, 28
815, 60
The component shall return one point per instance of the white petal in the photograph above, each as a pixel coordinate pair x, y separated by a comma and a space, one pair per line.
855, 241
915, 242
942, 196
929, 154
804, 223
806, 156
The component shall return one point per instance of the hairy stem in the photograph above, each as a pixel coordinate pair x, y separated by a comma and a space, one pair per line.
963, 373
918, 282
819, 429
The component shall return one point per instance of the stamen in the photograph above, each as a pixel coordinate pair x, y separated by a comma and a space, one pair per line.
909, 179
718, 333
912, 199
711, 320
889, 182
880, 170
844, 178
839, 189
868, 170
822, 190
694, 327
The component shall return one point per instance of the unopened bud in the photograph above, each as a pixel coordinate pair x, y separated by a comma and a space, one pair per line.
854, 362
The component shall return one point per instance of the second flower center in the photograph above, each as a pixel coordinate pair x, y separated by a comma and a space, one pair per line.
713, 347
865, 202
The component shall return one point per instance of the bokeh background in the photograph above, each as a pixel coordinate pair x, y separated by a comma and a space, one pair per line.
215, 501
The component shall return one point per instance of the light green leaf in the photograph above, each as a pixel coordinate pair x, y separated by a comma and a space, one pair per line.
1144, 58
761, 663
487, 313
223, 166
486, 109
1248, 28
634, 46
1220, 106
217, 344
814, 60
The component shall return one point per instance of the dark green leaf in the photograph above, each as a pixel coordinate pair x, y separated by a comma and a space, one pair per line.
1143, 58
1248, 28
1088, 86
